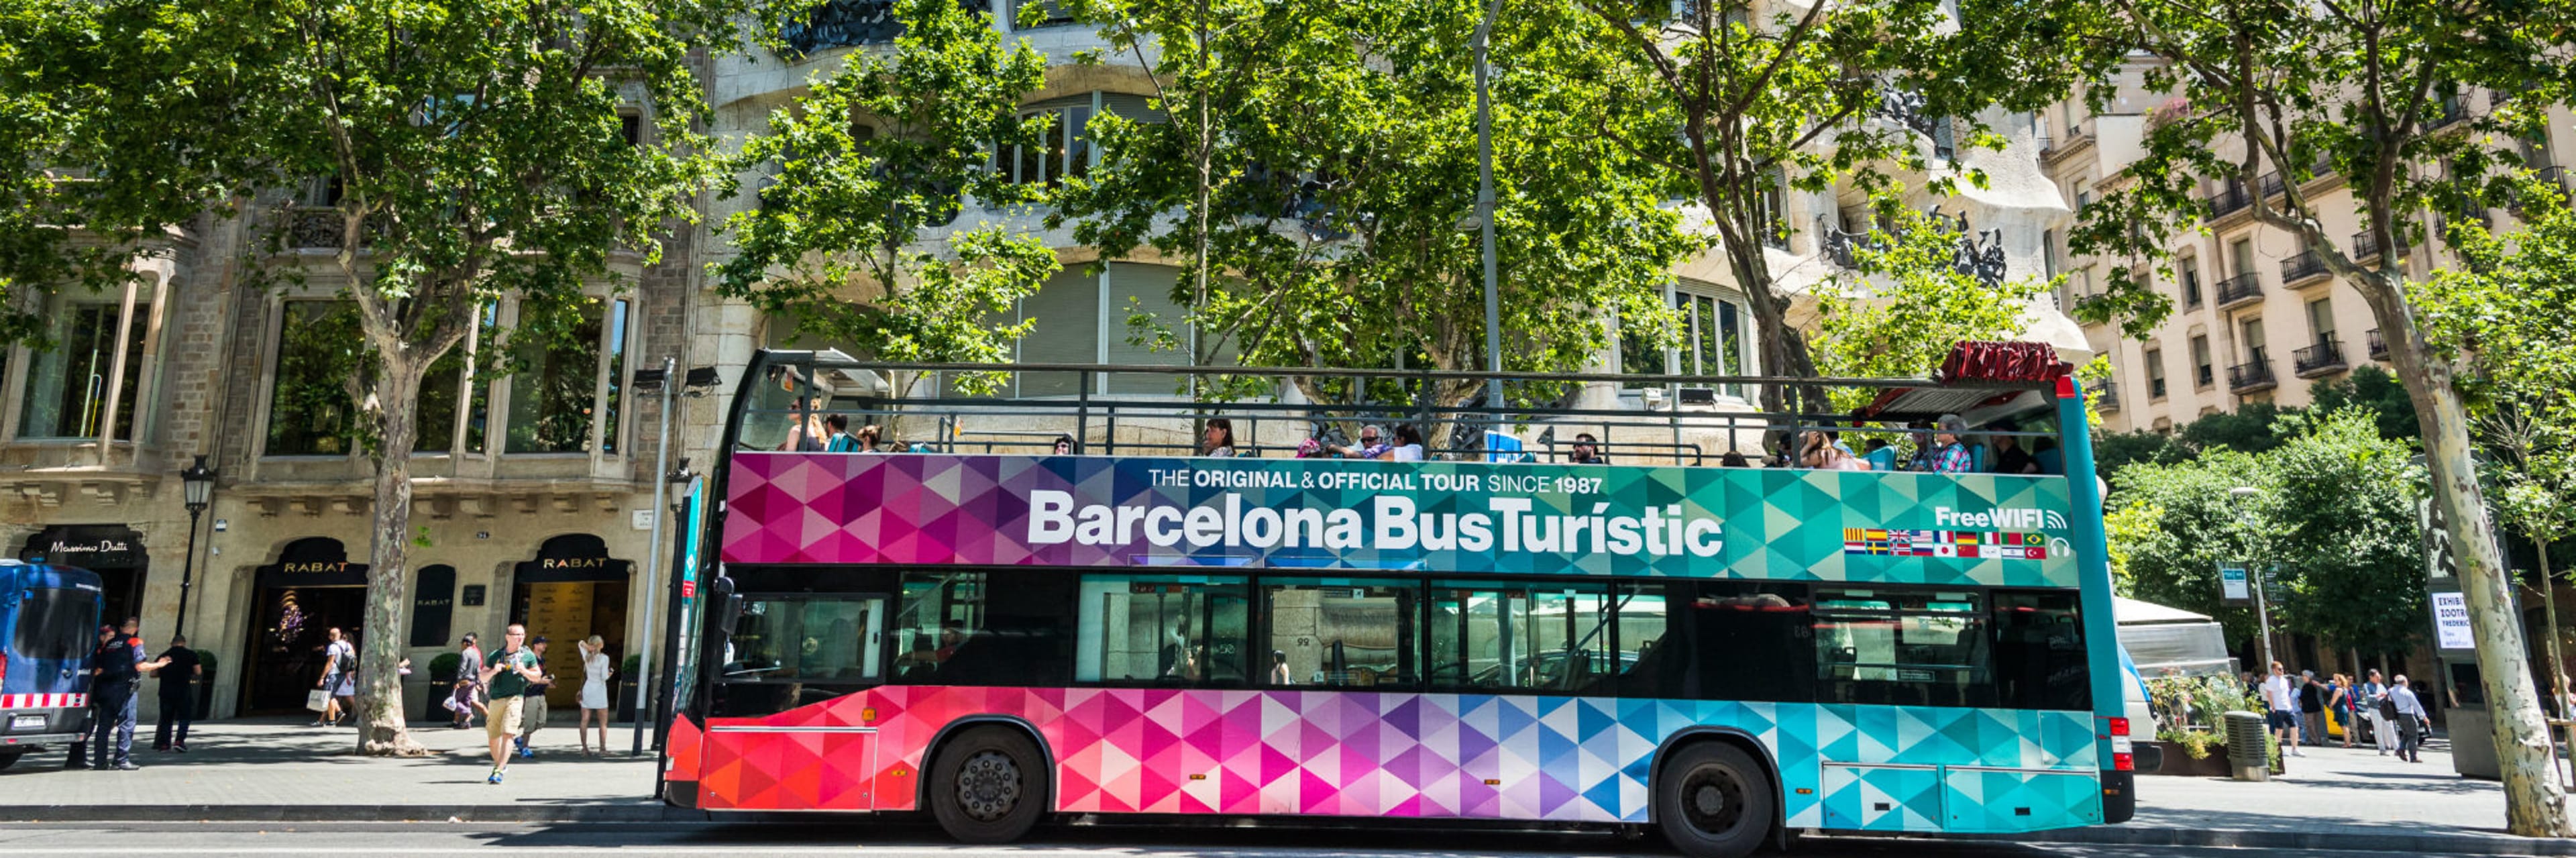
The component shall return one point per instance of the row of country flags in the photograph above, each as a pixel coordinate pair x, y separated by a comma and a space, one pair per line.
1981, 545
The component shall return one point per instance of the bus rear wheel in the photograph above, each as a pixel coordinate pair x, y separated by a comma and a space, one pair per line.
988, 786
1713, 801
10, 758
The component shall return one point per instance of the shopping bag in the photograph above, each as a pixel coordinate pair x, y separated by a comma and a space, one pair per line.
318, 700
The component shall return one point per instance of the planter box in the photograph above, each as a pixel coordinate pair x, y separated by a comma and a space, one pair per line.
2178, 762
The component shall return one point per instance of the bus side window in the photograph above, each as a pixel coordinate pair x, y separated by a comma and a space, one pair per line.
1750, 642
1342, 633
1902, 647
2039, 652
1652, 657
1165, 630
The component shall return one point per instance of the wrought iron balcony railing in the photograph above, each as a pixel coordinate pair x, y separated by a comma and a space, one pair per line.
2240, 289
2320, 359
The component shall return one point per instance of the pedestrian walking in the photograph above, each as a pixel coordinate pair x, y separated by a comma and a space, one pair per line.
2383, 731
464, 698
2339, 701
506, 679
116, 670
2281, 698
532, 708
178, 695
2412, 720
339, 679
2312, 707
594, 691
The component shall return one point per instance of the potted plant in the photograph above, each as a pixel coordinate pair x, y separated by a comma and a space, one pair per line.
626, 684
442, 684
206, 684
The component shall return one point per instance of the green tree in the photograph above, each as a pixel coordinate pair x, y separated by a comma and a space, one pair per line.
2178, 522
2114, 452
2503, 312
2372, 388
477, 149
834, 244
1747, 104
2416, 105
1324, 155
2342, 511
1906, 304
2252, 428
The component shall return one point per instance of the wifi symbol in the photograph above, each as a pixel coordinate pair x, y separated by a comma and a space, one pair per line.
2055, 521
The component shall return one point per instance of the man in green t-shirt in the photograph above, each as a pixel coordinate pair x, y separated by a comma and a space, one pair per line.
507, 675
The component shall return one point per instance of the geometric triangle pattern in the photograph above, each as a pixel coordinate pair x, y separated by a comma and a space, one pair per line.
1779, 524
1471, 756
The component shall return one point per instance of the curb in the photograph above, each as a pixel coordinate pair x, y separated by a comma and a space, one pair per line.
2417, 844
553, 813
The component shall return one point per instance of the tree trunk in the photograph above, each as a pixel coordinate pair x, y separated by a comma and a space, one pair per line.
2557, 683
380, 696
2535, 803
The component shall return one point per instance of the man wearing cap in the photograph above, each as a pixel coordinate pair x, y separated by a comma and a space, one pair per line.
116, 669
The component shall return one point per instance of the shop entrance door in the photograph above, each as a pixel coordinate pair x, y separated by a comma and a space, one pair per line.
311, 588
114, 551
572, 590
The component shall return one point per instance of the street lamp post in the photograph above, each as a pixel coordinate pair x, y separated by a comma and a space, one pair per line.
197, 483
670, 386
2254, 572
1485, 202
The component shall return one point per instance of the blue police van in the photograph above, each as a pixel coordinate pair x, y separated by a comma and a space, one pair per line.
49, 617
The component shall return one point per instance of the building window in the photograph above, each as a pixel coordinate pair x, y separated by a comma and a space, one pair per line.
558, 386
443, 387
2202, 374
1714, 341
67, 387
2189, 267
312, 408
2321, 319
2155, 374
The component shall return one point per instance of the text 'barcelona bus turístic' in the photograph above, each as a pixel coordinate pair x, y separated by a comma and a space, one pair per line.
995, 594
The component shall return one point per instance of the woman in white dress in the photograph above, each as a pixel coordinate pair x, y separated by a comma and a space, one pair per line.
594, 692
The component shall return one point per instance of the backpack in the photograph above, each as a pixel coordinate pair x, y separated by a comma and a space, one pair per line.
2388, 708
345, 663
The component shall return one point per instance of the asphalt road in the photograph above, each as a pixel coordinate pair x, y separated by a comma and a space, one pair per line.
185, 838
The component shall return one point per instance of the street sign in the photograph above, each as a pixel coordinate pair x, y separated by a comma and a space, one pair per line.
2451, 622
2232, 586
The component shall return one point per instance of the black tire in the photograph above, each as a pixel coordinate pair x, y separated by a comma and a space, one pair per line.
1712, 800
988, 786
10, 758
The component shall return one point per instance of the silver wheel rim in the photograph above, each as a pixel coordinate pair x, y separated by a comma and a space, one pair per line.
988, 785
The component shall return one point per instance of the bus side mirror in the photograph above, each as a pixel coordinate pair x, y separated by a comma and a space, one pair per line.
727, 605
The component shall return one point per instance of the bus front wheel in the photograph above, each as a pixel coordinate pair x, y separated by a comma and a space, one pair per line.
1713, 801
989, 786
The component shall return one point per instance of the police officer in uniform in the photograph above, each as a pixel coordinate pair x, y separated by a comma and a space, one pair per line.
116, 670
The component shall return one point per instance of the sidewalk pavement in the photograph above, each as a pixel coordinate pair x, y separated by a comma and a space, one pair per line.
2333, 799
281, 770
274, 770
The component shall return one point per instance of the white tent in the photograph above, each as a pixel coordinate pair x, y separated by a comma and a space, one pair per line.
2171, 640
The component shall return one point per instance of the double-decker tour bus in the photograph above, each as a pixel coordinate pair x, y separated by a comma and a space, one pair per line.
1064, 597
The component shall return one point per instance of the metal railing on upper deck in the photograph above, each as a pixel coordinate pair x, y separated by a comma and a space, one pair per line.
789, 401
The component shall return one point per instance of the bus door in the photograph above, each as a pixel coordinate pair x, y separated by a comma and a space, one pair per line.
785, 651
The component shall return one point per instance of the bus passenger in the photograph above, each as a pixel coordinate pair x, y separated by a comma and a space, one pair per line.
836, 434
1408, 445
1064, 445
1220, 439
867, 438
1371, 446
804, 434
1279, 669
2010, 458
1950, 454
1733, 459
1586, 451
1880, 457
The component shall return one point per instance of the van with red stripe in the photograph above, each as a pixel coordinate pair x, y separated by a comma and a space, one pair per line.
48, 616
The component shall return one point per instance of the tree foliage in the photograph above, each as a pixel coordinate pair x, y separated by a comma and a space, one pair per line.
1748, 101
1907, 304
835, 244
2334, 514
1338, 139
